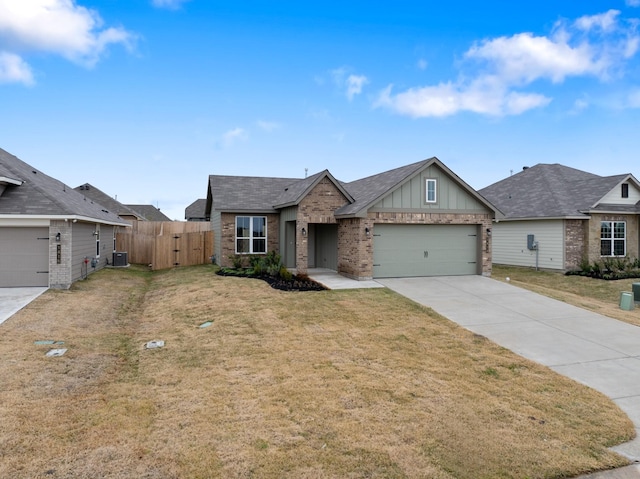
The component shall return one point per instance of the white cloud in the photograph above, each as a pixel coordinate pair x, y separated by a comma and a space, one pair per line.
169, 4
422, 64
352, 84
14, 69
233, 136
500, 69
605, 21
60, 27
633, 3
268, 125
355, 84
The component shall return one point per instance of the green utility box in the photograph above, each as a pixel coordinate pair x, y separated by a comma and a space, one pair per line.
626, 301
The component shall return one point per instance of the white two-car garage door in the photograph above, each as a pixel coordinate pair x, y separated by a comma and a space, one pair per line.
24, 257
424, 250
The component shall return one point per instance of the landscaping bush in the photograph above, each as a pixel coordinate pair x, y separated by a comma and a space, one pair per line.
270, 269
609, 268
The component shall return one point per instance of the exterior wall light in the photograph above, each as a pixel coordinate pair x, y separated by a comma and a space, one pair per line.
488, 231
367, 231
304, 232
58, 237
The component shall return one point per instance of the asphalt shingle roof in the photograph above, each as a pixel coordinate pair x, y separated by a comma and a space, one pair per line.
104, 199
149, 212
196, 209
549, 191
41, 195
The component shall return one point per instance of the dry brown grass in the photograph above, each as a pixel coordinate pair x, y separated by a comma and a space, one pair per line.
597, 295
328, 384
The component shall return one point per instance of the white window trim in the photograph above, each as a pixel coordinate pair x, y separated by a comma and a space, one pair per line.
613, 239
435, 190
250, 237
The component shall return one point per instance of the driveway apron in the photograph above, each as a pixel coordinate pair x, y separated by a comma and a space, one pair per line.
13, 300
597, 351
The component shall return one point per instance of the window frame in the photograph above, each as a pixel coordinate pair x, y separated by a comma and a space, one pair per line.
427, 190
613, 239
251, 238
97, 235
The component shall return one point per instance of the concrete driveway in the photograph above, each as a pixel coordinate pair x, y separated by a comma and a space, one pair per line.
601, 352
13, 300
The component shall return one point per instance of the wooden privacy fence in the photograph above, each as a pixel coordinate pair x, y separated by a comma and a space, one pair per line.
166, 244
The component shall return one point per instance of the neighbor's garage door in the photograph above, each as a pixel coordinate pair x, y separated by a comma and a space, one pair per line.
24, 257
424, 250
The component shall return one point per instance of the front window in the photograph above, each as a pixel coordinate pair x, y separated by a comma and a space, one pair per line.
251, 234
625, 190
431, 191
613, 238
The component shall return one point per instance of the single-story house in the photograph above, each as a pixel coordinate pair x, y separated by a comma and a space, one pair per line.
126, 212
417, 220
195, 211
50, 234
556, 216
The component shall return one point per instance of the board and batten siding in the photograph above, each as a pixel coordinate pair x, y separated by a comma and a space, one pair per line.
450, 196
510, 243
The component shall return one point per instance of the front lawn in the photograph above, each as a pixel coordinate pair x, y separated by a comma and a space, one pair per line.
327, 384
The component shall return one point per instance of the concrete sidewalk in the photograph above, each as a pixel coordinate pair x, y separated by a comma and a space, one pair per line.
13, 300
601, 352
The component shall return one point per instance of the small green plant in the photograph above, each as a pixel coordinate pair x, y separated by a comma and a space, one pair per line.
285, 274
236, 261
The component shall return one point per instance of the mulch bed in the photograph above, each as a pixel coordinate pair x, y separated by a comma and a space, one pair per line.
296, 283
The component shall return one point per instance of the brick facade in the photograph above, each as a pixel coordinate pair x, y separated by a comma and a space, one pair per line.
228, 237
575, 241
317, 207
60, 273
633, 234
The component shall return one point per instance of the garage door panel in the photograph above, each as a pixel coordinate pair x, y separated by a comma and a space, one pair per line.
24, 257
425, 250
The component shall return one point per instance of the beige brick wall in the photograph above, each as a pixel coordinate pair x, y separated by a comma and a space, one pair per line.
633, 235
317, 207
355, 248
228, 240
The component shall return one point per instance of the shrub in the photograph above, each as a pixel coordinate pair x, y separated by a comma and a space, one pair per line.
236, 260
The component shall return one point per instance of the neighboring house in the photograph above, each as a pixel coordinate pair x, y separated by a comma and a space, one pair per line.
110, 203
196, 211
126, 212
50, 234
571, 214
417, 220
149, 212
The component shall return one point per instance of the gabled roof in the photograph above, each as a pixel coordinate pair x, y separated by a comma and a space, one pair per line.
41, 196
104, 199
196, 209
368, 191
268, 195
296, 191
550, 191
149, 212
245, 193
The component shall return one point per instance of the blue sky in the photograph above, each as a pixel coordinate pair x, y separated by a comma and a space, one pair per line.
146, 98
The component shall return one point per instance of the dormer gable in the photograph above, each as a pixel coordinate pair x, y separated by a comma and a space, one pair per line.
625, 192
